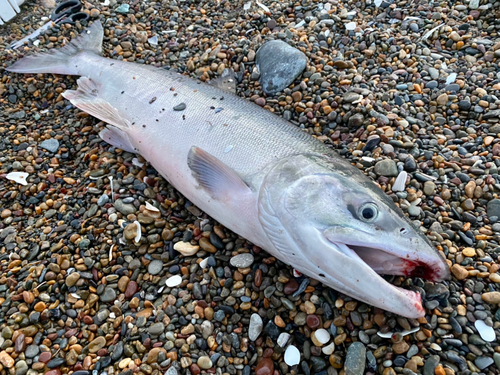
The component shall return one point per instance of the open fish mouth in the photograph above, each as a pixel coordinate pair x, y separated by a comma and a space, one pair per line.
377, 262
385, 263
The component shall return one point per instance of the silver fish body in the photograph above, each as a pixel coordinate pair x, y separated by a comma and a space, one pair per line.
254, 172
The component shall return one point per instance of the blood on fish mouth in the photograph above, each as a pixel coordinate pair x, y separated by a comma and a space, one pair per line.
387, 263
416, 268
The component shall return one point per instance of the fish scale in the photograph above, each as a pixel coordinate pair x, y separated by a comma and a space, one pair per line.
274, 137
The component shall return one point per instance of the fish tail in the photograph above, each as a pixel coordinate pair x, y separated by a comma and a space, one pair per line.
58, 61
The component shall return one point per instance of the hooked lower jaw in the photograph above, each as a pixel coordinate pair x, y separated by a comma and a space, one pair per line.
382, 262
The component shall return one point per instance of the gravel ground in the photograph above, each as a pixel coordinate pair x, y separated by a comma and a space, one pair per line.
406, 90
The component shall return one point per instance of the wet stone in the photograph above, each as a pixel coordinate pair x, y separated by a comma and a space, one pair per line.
51, 145
255, 327
155, 267
109, 295
279, 65
386, 168
242, 260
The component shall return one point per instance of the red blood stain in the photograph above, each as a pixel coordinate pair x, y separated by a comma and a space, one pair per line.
415, 268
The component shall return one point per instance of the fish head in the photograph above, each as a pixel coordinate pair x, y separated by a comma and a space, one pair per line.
333, 223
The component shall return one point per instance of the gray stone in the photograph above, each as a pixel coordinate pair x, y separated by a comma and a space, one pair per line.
434, 73
156, 329
32, 351
155, 267
483, 362
431, 364
109, 295
496, 358
492, 114
255, 327
494, 129
355, 359
386, 167
493, 208
21, 368
356, 120
279, 65
125, 208
171, 371
242, 260
51, 145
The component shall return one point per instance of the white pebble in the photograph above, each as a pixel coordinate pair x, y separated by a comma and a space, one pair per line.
451, 78
174, 281
350, 26
400, 183
292, 356
204, 263
486, 332
19, 177
138, 233
322, 335
283, 339
150, 207
329, 349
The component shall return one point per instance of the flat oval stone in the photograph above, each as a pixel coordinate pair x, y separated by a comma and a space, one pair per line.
155, 267
255, 327
242, 260
313, 321
292, 356
174, 281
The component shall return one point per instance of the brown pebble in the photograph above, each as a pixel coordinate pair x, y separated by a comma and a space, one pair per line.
459, 272
264, 367
206, 245
131, 289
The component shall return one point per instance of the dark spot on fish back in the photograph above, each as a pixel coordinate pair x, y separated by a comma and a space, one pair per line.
180, 107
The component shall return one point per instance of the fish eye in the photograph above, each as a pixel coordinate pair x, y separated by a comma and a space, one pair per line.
368, 212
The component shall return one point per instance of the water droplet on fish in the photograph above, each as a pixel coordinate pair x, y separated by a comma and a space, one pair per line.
228, 148
180, 107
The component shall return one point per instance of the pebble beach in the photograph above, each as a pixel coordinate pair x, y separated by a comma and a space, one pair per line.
106, 269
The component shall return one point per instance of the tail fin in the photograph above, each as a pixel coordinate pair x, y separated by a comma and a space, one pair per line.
58, 60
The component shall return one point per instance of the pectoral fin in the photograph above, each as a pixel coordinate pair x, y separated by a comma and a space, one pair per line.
220, 181
87, 98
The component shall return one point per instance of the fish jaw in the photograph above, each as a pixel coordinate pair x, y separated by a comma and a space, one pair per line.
338, 266
409, 255
310, 207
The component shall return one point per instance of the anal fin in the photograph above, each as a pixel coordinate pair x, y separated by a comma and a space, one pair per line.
118, 138
221, 182
87, 98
